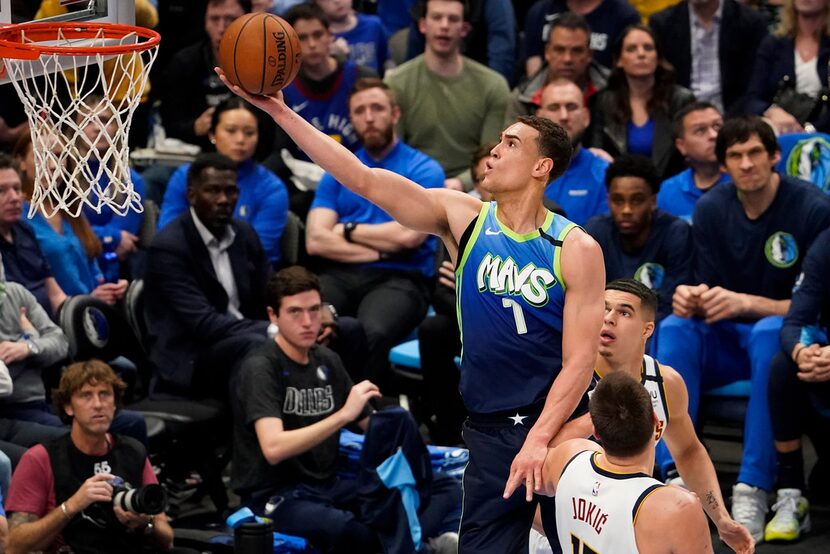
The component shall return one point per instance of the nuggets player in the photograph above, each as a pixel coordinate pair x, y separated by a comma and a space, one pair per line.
630, 308
529, 289
606, 499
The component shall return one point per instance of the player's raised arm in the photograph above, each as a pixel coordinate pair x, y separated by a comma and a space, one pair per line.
427, 211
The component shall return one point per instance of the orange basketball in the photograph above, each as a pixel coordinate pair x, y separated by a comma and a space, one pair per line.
260, 53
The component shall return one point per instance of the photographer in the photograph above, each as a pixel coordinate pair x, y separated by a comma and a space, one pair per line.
62, 491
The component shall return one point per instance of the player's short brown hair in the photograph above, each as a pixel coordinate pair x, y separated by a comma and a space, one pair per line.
553, 142
81, 373
622, 414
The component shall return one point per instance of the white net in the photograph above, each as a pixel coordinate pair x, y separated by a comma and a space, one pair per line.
79, 109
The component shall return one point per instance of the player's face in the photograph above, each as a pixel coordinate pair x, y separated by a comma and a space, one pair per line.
638, 57
750, 165
373, 117
512, 160
11, 197
236, 134
299, 319
625, 327
218, 17
632, 204
564, 104
92, 407
443, 27
478, 177
214, 197
700, 131
315, 40
336, 10
568, 54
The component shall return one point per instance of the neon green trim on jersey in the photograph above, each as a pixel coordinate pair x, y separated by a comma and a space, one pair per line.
557, 254
527, 236
459, 268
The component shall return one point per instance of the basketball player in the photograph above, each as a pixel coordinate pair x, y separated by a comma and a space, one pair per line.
630, 309
526, 361
606, 499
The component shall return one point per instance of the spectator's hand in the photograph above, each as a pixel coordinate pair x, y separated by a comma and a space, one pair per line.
94, 489
736, 536
202, 124
526, 469
446, 274
111, 292
25, 325
454, 183
358, 396
128, 245
782, 121
328, 326
814, 364
11, 352
131, 520
600, 153
719, 303
685, 301
340, 48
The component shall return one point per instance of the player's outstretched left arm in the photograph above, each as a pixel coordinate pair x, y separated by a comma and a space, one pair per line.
695, 466
583, 270
441, 212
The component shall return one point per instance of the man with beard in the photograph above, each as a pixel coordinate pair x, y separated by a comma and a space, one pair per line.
580, 190
639, 241
375, 268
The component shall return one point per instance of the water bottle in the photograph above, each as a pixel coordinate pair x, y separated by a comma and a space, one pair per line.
253, 538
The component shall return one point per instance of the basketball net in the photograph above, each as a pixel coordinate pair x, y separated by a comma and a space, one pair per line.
80, 104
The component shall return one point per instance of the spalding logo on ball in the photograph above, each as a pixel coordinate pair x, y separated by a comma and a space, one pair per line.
260, 53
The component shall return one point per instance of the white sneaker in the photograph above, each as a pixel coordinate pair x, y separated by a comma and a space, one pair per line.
792, 517
749, 508
446, 543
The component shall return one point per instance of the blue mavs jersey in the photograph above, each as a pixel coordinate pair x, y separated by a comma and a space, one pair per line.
510, 298
327, 112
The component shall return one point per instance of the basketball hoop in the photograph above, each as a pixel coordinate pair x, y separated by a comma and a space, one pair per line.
80, 84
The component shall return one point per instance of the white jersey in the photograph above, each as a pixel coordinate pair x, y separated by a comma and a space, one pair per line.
596, 509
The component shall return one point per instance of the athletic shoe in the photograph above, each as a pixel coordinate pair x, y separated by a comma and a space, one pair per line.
749, 508
792, 517
444, 544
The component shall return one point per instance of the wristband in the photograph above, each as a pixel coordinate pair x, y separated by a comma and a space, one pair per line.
348, 227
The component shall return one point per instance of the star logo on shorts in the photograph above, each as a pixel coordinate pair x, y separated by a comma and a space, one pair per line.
517, 419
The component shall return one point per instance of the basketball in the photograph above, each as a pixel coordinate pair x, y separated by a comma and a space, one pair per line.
260, 53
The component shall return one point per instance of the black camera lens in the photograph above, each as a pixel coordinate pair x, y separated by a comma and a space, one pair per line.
149, 499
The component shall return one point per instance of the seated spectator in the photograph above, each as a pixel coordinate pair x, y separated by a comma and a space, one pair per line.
580, 191
359, 36
568, 55
450, 104
375, 269
799, 375
61, 492
696, 128
22, 257
639, 241
206, 275
490, 40
749, 236
634, 114
292, 398
794, 59
700, 39
263, 198
607, 19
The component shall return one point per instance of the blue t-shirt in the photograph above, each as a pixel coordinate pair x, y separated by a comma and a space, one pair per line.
74, 272
262, 203
678, 195
510, 298
606, 22
403, 160
761, 257
640, 138
24, 262
810, 308
581, 189
327, 112
664, 262
367, 42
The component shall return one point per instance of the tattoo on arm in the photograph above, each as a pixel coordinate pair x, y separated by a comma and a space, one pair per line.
19, 518
711, 500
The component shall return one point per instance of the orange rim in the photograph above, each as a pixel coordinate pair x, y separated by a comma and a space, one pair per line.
12, 45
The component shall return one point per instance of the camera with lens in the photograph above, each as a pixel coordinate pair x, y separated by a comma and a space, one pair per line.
147, 499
